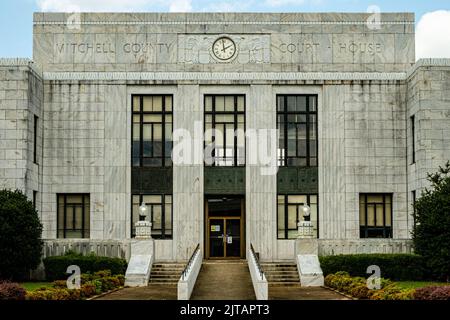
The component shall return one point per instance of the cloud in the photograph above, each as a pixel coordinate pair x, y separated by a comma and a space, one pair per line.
432, 36
229, 6
114, 5
283, 3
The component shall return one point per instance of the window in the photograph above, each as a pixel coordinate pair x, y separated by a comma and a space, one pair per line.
73, 215
34, 198
35, 137
289, 214
413, 194
225, 130
152, 131
412, 120
375, 215
160, 214
297, 122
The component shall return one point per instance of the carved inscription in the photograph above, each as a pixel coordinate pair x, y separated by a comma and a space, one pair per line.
197, 49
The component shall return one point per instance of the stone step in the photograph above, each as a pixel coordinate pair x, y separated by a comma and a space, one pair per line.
285, 284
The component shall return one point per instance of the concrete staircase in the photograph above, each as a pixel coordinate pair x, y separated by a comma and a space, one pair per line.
281, 274
166, 274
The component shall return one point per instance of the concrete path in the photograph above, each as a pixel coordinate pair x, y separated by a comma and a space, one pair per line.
152, 292
304, 293
224, 280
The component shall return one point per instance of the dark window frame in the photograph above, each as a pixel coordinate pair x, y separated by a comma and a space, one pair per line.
414, 198
386, 231
166, 161
35, 136
284, 161
85, 233
163, 235
213, 113
412, 120
286, 213
34, 198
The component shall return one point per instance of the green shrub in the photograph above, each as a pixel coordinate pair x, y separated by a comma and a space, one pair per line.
55, 267
20, 235
393, 266
431, 234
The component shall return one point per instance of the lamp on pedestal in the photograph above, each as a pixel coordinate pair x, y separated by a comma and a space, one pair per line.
143, 227
305, 227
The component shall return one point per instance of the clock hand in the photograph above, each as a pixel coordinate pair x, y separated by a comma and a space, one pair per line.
223, 45
227, 47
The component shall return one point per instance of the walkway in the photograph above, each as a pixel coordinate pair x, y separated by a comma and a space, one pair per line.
152, 292
303, 293
224, 280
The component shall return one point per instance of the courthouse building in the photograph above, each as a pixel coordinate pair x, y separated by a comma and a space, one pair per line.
87, 129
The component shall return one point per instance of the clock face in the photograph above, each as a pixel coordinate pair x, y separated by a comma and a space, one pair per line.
224, 48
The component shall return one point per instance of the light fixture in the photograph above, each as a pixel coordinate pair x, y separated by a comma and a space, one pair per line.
306, 210
143, 210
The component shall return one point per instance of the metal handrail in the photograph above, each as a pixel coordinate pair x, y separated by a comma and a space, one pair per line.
191, 260
258, 265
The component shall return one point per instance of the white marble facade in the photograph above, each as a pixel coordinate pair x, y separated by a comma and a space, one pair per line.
82, 78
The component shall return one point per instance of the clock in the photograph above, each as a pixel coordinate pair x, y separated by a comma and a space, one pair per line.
224, 48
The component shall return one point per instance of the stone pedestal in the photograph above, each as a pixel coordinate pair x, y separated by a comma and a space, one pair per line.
308, 264
143, 230
140, 264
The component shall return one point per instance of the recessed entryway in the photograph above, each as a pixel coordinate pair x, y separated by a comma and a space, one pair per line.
224, 224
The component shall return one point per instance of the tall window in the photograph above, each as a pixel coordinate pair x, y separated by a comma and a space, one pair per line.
412, 121
225, 130
73, 215
159, 214
35, 128
414, 198
290, 213
35, 198
297, 122
152, 131
375, 215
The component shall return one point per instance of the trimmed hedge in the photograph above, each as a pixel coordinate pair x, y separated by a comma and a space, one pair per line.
357, 287
393, 266
56, 267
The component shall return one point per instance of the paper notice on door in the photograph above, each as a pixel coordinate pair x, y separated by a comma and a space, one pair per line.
229, 240
215, 228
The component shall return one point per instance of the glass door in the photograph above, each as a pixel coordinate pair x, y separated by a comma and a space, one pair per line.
225, 238
233, 238
216, 238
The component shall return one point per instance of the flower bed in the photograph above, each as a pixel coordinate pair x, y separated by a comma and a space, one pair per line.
357, 287
91, 285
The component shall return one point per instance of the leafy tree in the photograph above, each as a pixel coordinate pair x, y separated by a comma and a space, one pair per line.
20, 235
431, 233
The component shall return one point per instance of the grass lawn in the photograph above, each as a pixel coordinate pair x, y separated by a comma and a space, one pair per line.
32, 286
419, 284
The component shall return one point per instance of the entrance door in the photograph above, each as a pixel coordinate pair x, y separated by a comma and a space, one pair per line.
225, 238
224, 225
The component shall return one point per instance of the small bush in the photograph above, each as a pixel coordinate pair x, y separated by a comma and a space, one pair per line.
11, 291
55, 267
393, 266
433, 293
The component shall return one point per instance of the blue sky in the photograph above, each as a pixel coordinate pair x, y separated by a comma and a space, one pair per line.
16, 15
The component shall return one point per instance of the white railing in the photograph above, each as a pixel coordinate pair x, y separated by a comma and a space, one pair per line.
107, 248
189, 275
259, 280
359, 246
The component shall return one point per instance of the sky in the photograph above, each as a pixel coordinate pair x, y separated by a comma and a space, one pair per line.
432, 16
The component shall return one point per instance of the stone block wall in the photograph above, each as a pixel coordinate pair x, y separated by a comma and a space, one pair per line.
428, 100
20, 100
